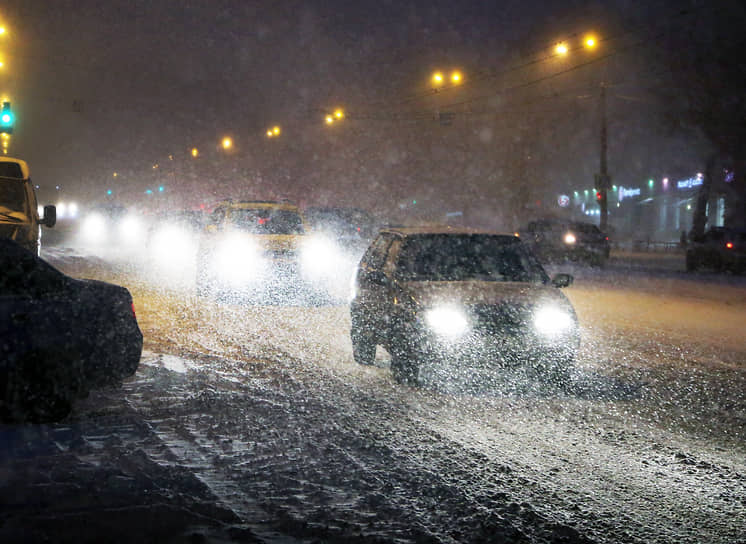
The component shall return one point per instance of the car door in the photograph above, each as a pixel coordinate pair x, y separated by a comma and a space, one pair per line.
35, 313
372, 285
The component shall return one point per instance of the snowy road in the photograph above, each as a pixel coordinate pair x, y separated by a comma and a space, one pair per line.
249, 423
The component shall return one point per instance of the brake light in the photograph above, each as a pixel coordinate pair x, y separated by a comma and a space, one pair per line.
729, 245
606, 238
132, 305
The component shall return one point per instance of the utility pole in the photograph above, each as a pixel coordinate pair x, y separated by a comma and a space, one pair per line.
603, 180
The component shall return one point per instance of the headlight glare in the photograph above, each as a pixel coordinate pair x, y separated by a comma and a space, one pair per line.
447, 321
552, 321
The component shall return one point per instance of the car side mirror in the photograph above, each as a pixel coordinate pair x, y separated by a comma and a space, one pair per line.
50, 216
562, 280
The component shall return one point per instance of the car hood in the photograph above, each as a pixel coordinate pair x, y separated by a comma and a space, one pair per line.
471, 293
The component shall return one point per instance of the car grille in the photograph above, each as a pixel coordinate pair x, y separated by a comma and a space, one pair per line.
505, 318
281, 254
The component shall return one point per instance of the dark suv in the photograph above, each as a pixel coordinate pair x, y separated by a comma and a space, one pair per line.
718, 249
557, 240
463, 297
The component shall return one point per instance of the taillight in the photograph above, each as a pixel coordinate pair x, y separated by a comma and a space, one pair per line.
729, 245
132, 305
607, 238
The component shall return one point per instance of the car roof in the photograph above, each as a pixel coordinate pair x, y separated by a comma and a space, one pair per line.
441, 229
249, 204
21, 163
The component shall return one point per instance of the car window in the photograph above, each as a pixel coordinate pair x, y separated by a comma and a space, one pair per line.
466, 257
376, 254
266, 221
12, 195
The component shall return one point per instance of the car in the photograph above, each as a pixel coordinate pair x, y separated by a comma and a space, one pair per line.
434, 294
59, 336
110, 226
559, 241
719, 249
19, 215
256, 250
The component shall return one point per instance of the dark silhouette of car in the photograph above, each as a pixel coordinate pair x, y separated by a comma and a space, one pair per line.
559, 241
59, 336
434, 294
719, 249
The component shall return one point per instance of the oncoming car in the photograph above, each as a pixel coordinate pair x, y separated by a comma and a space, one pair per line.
111, 226
557, 241
464, 297
261, 250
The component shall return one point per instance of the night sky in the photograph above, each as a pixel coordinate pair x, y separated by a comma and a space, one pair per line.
119, 86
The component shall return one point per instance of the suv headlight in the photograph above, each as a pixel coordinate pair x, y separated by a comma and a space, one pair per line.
448, 321
569, 238
320, 256
552, 321
238, 259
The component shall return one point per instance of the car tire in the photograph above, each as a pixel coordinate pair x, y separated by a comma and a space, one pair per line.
405, 367
691, 262
363, 347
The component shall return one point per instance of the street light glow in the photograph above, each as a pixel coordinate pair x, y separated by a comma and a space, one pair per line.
195, 152
339, 113
438, 78
276, 130
227, 143
590, 42
269, 133
329, 119
561, 49
456, 77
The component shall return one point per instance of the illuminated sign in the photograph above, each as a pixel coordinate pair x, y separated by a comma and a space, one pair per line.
626, 193
563, 201
691, 182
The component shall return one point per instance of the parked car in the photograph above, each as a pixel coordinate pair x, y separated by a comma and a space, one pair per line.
719, 249
558, 240
59, 336
434, 294
19, 215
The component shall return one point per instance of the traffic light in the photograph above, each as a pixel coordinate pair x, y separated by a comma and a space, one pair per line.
599, 196
7, 119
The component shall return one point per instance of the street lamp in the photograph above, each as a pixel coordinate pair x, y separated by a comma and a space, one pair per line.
456, 77
339, 113
438, 79
227, 143
561, 49
195, 152
329, 119
590, 42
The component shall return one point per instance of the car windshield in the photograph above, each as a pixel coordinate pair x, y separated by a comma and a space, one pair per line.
266, 221
12, 196
463, 257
